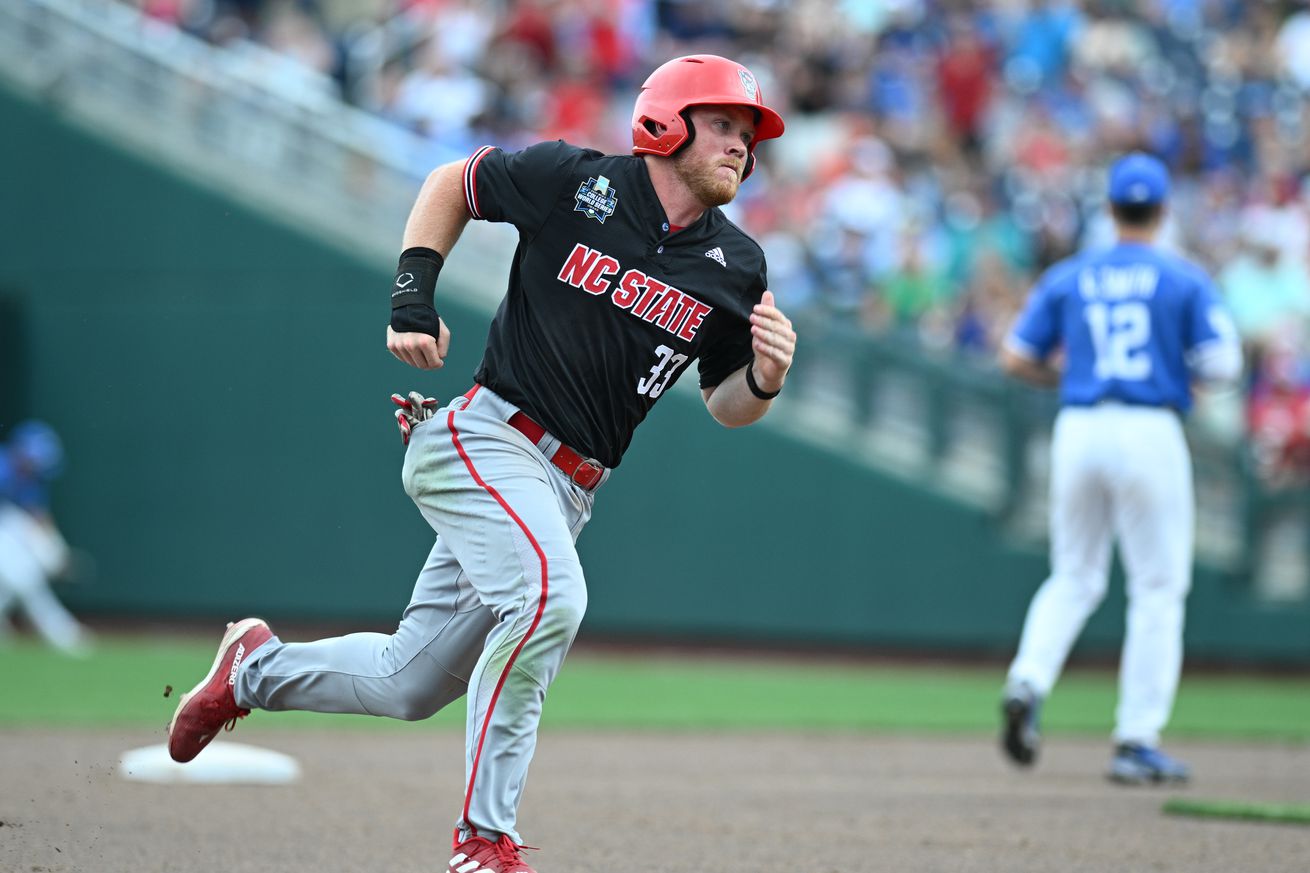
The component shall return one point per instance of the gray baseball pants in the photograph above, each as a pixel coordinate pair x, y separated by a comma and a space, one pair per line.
493, 613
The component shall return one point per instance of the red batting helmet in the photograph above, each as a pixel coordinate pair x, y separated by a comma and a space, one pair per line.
659, 125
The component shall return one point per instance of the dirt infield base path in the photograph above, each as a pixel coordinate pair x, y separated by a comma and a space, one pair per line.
646, 803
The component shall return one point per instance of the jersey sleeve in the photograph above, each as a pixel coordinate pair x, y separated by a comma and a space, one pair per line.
1037, 330
729, 348
517, 187
1213, 348
26, 493
1209, 320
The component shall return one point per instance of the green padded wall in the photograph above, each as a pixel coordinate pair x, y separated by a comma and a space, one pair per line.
221, 384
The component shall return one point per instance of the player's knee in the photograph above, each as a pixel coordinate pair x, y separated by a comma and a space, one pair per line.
415, 708
1087, 586
1158, 592
566, 609
1162, 581
561, 618
401, 698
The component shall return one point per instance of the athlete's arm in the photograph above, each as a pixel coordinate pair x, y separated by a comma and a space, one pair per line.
1217, 364
1215, 361
439, 213
1040, 373
732, 402
435, 222
1030, 350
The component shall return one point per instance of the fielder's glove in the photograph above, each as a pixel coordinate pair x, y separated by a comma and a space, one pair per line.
414, 408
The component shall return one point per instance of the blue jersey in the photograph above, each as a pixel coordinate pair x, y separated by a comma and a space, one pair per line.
1129, 319
29, 492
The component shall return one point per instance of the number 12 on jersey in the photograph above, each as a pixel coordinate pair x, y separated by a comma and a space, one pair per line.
669, 361
1120, 334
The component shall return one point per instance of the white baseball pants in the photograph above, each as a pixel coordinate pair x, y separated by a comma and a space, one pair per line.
30, 553
1122, 473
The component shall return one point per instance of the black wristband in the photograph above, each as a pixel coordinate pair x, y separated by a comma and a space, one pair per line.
756, 389
416, 318
416, 278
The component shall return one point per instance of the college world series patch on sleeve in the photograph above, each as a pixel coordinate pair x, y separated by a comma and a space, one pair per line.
596, 198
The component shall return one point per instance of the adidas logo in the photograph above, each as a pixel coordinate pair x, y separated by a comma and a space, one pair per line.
717, 254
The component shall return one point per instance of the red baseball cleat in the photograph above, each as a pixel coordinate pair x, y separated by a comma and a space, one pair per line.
480, 855
206, 709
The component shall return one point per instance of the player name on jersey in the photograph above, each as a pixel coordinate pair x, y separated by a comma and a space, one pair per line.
640, 295
1105, 282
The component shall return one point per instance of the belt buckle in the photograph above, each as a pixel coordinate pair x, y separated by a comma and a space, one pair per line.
591, 478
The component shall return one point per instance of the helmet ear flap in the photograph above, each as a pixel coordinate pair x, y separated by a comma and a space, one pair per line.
658, 133
750, 164
691, 130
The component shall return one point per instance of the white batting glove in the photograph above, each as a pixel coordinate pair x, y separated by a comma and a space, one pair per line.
414, 408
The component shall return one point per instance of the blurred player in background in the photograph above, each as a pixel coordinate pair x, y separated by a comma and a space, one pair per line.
626, 272
32, 551
1137, 327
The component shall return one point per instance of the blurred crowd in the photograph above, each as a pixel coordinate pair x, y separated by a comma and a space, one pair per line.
939, 154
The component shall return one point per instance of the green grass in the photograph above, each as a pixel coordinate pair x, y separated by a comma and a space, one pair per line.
123, 684
1282, 813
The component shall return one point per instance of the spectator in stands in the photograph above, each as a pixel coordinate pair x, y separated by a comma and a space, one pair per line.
986, 122
965, 83
1278, 414
1265, 287
441, 99
1293, 46
289, 30
916, 284
989, 304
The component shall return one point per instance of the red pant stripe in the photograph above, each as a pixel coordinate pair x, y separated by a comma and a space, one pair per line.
536, 619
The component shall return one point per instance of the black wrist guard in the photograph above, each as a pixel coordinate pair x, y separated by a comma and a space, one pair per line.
413, 309
416, 318
756, 389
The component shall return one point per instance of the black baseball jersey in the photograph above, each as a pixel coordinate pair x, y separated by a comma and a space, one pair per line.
606, 307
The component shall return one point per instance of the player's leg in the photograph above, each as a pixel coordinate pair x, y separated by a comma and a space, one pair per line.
1080, 533
1081, 537
1154, 517
409, 674
511, 520
25, 583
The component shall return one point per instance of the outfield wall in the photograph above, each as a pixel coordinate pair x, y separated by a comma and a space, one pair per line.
221, 384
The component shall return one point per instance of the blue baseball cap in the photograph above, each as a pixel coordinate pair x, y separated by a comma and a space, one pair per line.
1138, 179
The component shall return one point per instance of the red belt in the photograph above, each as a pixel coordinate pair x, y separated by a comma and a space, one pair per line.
586, 473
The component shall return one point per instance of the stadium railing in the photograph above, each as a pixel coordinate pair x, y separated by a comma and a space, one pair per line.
960, 426
255, 124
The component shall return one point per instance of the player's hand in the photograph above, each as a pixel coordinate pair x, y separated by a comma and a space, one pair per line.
420, 350
773, 341
414, 408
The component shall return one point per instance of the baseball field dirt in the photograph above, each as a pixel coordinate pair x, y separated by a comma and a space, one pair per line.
633, 802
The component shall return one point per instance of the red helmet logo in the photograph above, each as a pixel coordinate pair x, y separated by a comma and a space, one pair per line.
658, 124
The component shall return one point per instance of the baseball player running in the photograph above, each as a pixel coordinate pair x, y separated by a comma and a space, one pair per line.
1137, 327
626, 272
